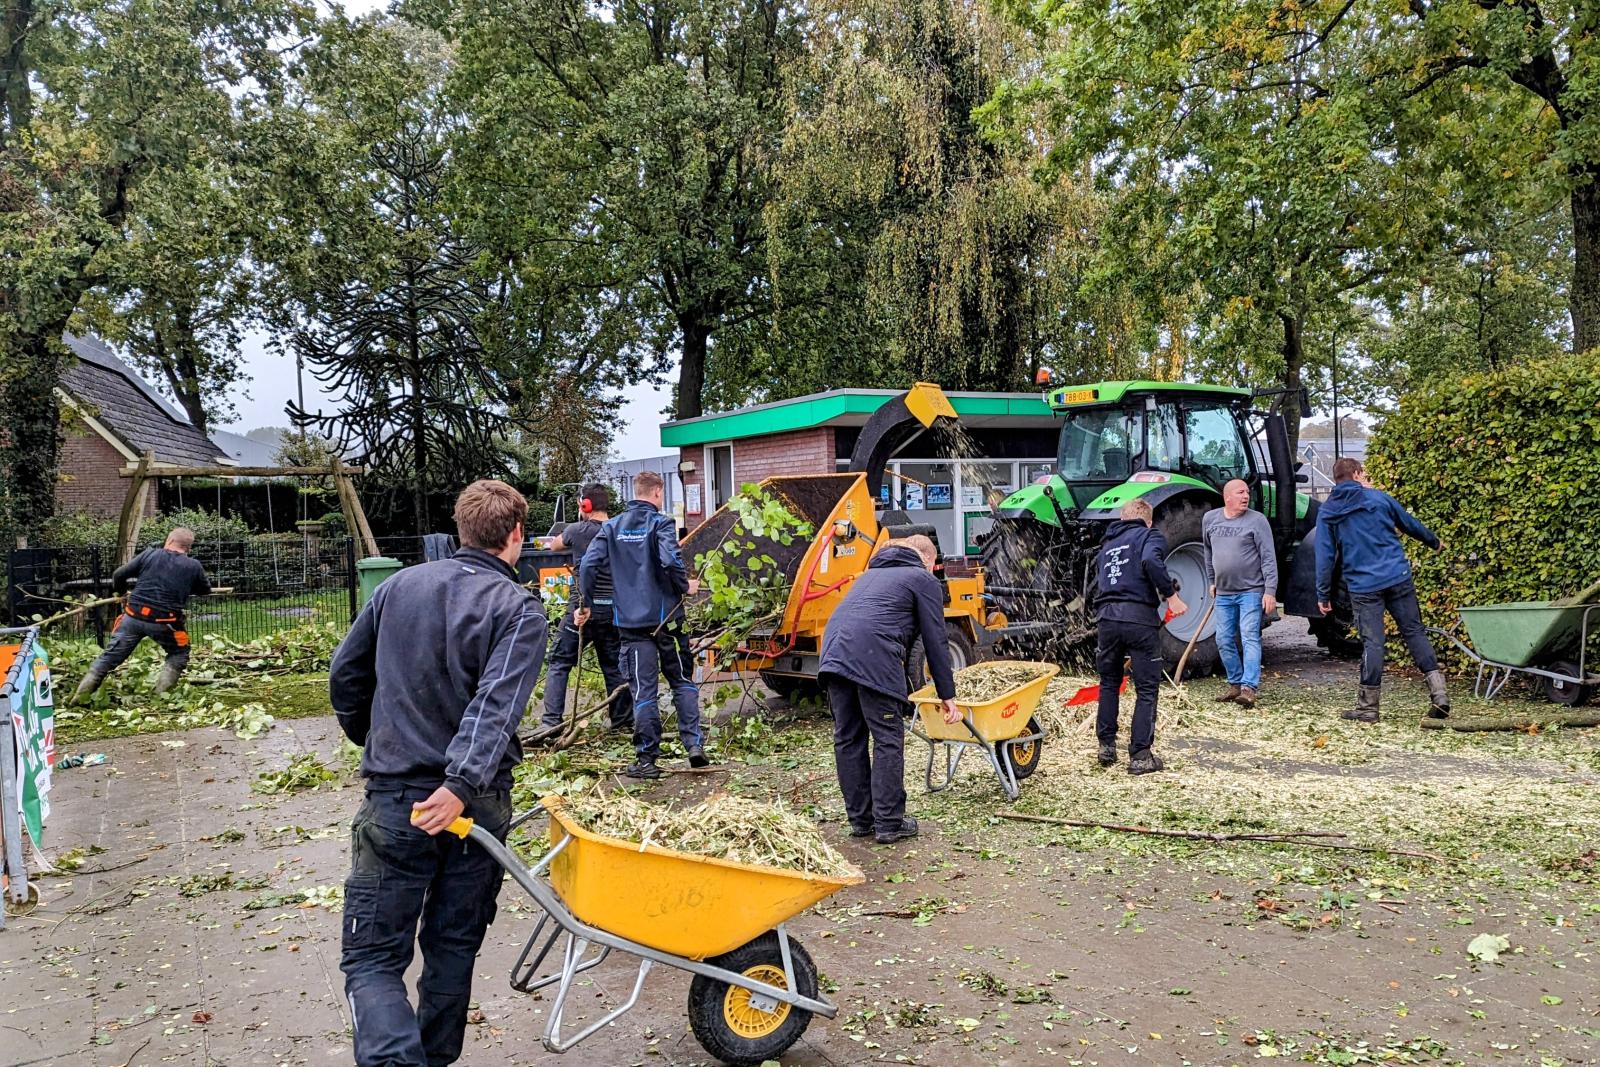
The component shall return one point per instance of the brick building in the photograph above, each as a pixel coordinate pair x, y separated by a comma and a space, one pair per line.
110, 417
1014, 433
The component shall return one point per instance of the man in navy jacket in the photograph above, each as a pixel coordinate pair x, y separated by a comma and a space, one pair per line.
1363, 526
895, 601
649, 585
1131, 581
432, 681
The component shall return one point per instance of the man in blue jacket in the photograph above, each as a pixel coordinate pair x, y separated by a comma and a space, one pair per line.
1363, 526
432, 680
639, 549
895, 601
1131, 581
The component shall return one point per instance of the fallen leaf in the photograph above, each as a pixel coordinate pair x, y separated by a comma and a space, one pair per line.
476, 1017
201, 1017
1488, 947
1550, 1001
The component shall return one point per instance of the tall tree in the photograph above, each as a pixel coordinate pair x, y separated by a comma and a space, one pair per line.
629, 148
393, 316
96, 97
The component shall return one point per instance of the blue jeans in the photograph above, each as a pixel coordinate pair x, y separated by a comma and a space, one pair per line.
1239, 637
398, 877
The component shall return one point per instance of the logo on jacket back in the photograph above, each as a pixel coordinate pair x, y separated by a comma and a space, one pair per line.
633, 537
1116, 559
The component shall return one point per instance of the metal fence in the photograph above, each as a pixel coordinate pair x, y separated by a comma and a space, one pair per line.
273, 584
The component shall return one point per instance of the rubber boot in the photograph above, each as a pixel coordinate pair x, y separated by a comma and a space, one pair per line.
168, 677
1438, 696
1366, 709
91, 682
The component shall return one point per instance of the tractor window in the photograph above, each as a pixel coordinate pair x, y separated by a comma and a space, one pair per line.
1100, 445
1215, 451
1166, 440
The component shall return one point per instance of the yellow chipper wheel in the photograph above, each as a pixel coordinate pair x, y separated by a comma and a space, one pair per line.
740, 1027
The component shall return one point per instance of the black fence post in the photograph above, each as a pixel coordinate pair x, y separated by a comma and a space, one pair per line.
350, 574
96, 613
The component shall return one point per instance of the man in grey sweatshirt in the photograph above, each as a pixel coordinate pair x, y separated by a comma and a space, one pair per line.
1242, 570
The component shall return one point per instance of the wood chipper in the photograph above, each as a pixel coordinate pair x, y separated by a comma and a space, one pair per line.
842, 510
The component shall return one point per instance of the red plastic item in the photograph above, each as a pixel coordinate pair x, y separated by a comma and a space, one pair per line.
1090, 694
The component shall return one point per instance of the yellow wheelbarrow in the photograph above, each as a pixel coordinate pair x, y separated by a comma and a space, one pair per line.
754, 989
1004, 729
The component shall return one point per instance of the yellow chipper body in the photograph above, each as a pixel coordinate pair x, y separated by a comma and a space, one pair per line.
841, 511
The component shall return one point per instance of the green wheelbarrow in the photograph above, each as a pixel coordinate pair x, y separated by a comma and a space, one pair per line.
1548, 640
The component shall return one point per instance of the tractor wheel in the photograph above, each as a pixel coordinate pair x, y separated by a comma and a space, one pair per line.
963, 653
738, 1027
1337, 634
1180, 525
793, 690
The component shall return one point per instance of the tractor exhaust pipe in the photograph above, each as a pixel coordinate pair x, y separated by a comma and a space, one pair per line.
1283, 518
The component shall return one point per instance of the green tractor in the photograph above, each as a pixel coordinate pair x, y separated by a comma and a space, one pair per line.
1175, 444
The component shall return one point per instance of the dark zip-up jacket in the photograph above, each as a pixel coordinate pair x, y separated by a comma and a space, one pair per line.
166, 580
578, 537
436, 673
869, 637
639, 548
1131, 578
1364, 525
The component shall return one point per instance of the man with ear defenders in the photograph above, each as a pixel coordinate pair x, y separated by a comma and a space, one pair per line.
597, 627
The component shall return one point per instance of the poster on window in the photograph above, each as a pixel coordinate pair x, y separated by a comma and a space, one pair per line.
940, 495
914, 498
691, 496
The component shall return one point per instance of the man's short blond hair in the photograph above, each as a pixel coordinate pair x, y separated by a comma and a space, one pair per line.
181, 536
646, 482
922, 545
487, 511
1137, 511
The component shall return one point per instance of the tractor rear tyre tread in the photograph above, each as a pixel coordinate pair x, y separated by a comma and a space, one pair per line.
1336, 634
1180, 525
709, 999
963, 653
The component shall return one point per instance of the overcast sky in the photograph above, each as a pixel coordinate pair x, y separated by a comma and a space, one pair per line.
271, 379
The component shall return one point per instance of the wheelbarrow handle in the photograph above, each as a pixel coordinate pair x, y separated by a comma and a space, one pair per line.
459, 826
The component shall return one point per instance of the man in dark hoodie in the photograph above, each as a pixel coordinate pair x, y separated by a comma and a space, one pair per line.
1131, 581
639, 549
864, 651
1362, 525
433, 679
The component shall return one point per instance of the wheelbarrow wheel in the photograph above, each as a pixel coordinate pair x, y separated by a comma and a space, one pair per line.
1022, 756
1567, 694
731, 1023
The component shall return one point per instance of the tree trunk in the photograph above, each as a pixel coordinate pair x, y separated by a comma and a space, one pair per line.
179, 355
1294, 355
692, 369
1585, 295
419, 421
30, 447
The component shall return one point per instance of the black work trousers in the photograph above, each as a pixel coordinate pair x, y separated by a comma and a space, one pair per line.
1400, 601
1140, 643
398, 876
601, 635
874, 787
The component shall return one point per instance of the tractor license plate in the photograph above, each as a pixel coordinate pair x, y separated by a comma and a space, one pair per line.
1077, 396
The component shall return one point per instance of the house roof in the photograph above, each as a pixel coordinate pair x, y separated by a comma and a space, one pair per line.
849, 407
247, 451
126, 406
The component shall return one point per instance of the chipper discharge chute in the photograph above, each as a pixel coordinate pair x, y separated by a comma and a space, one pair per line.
841, 511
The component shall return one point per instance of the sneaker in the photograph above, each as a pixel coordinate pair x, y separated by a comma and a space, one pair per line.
860, 831
907, 829
1146, 762
641, 769
698, 758
1229, 695
1246, 697
1107, 755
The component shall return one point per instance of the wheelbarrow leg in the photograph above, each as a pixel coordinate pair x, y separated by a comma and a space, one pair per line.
952, 760
575, 948
1002, 771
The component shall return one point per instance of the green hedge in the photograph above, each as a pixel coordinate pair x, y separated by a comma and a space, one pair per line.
1505, 468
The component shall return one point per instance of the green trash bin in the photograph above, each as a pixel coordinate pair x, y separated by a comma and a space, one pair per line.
371, 572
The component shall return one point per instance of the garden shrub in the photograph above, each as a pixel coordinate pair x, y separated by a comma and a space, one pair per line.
1505, 468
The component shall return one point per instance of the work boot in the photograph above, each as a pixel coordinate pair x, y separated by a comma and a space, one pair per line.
906, 830
1107, 755
697, 757
1438, 696
168, 677
1246, 697
857, 830
91, 682
1145, 762
1229, 695
1366, 709
645, 769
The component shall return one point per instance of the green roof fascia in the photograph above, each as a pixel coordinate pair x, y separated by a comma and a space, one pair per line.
818, 410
